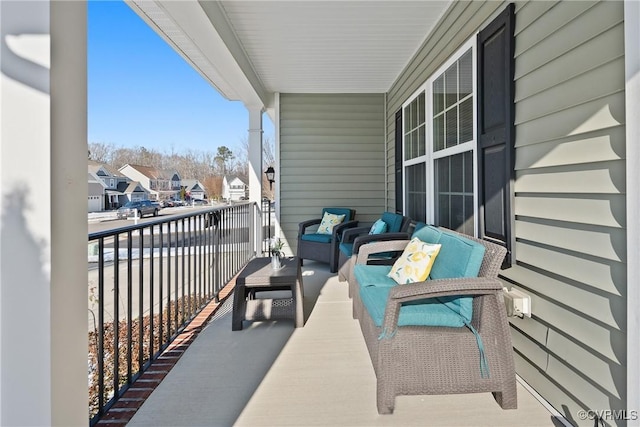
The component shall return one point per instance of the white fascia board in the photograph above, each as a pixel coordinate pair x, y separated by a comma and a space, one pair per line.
186, 28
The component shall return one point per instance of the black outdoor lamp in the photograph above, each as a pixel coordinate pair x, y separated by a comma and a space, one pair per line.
271, 174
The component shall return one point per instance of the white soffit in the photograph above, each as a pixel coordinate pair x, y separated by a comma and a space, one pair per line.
250, 50
310, 46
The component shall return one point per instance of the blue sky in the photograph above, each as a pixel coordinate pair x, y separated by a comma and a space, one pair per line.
142, 93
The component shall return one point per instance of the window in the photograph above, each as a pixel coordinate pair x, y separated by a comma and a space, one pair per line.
456, 135
439, 147
453, 127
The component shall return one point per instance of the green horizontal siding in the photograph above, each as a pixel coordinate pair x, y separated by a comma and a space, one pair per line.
332, 152
570, 190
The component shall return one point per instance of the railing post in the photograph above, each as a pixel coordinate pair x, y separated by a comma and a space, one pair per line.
223, 241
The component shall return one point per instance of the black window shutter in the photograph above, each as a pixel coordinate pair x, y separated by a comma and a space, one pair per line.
496, 132
398, 163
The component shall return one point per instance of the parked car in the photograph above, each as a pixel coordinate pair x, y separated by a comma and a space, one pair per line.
142, 207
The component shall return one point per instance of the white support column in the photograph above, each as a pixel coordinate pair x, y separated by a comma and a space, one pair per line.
43, 202
255, 162
632, 111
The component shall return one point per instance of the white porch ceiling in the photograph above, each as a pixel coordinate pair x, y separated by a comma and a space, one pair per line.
250, 50
331, 46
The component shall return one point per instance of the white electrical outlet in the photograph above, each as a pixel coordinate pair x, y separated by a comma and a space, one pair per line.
517, 303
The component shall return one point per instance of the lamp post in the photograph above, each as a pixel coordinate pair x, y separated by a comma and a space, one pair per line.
270, 173
271, 177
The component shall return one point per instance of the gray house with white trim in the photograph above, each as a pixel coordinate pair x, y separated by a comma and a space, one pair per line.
515, 123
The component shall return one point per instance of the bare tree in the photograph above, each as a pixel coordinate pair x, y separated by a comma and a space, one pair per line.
268, 159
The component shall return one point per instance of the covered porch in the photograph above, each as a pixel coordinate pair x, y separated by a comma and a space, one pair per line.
272, 374
336, 79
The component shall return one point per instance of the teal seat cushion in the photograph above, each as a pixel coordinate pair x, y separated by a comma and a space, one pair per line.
373, 275
428, 312
393, 221
316, 237
347, 249
428, 234
458, 257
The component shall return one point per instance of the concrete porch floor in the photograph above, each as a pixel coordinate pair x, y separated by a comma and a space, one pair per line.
271, 374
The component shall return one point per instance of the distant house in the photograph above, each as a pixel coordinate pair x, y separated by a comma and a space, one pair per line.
234, 188
194, 189
96, 193
160, 184
133, 191
111, 180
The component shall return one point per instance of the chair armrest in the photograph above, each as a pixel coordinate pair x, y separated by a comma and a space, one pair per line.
435, 288
445, 287
350, 234
382, 237
308, 223
340, 228
377, 247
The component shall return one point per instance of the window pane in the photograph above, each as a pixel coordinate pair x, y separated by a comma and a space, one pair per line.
442, 174
466, 121
465, 75
451, 85
438, 133
414, 143
414, 114
407, 118
438, 95
414, 128
451, 133
454, 207
444, 218
416, 192
407, 146
457, 212
457, 174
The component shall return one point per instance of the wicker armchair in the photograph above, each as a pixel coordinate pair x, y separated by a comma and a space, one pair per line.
395, 223
323, 247
414, 360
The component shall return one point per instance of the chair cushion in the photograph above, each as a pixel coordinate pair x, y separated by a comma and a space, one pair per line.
393, 221
348, 213
458, 257
415, 263
373, 275
427, 233
378, 227
347, 249
428, 312
315, 237
329, 221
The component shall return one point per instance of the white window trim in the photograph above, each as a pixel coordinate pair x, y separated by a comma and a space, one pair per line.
430, 156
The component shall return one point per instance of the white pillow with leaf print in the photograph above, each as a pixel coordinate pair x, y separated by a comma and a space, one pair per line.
414, 265
329, 221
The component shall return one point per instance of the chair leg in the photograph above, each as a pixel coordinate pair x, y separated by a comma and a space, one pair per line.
385, 400
508, 397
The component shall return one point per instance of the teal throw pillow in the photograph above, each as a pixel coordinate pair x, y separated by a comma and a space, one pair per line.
378, 227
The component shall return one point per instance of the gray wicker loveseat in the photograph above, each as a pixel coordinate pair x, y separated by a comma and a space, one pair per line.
440, 336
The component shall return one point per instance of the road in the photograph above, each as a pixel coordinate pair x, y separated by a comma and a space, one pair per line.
103, 222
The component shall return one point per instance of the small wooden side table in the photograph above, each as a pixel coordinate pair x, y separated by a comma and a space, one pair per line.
258, 276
